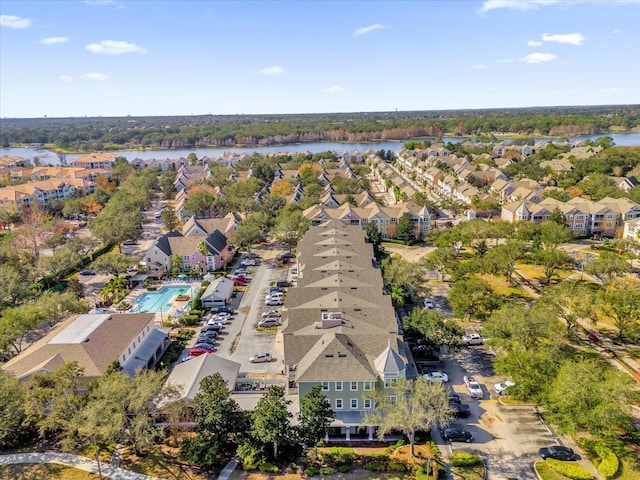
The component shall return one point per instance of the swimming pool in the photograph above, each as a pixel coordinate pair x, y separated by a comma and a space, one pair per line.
160, 300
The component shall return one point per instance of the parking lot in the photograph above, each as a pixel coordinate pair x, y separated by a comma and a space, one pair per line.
506, 436
240, 340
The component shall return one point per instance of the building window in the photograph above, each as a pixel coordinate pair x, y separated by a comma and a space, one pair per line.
367, 404
354, 403
338, 386
354, 386
392, 399
367, 386
390, 382
338, 404
325, 386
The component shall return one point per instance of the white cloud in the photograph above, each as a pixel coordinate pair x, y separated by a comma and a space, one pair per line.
13, 21
478, 66
538, 57
99, 3
515, 4
94, 76
569, 38
536, 4
65, 78
53, 40
114, 47
504, 60
369, 29
534, 43
615, 31
334, 89
275, 70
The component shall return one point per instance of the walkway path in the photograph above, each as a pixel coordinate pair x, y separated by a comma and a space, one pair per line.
75, 461
228, 469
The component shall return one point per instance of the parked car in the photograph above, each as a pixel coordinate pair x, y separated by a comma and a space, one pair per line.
273, 302
557, 452
241, 271
473, 339
475, 390
200, 349
269, 322
189, 357
215, 323
436, 377
203, 340
87, 272
461, 410
428, 303
454, 398
276, 290
456, 435
272, 313
501, 388
222, 316
260, 358
130, 242
238, 282
282, 283
211, 328
228, 310
293, 278
248, 262
287, 255
212, 334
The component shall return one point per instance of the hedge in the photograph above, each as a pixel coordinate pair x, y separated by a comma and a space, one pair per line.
311, 471
609, 463
327, 471
570, 470
462, 459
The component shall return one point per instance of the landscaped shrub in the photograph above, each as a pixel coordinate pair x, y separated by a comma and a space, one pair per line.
395, 446
570, 470
343, 469
426, 467
376, 458
337, 456
190, 320
151, 288
375, 466
397, 467
311, 471
268, 467
327, 471
609, 463
462, 459
195, 312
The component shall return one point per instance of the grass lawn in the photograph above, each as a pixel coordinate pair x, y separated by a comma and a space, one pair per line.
535, 272
476, 472
161, 462
504, 288
38, 471
547, 473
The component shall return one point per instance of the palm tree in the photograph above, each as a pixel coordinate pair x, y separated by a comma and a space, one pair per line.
397, 296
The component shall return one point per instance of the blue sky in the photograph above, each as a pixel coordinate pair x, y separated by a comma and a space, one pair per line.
144, 57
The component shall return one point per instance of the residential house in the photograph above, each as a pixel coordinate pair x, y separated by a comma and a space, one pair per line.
95, 160
217, 293
95, 342
206, 226
339, 329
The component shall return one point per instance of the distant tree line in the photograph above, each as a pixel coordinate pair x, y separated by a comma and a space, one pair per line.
90, 134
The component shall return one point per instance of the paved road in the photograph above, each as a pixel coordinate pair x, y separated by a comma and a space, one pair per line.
76, 461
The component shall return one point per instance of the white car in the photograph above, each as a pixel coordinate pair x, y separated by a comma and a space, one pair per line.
501, 388
248, 262
428, 303
273, 302
436, 377
271, 313
260, 358
222, 316
475, 390
473, 339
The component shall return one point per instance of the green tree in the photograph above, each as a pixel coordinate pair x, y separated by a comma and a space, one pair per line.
418, 405
16, 324
200, 202
54, 307
473, 298
13, 287
12, 414
589, 395
552, 260
440, 260
114, 263
557, 217
437, 331
170, 220
375, 238
247, 233
405, 227
271, 421
165, 182
315, 417
502, 258
621, 303
404, 274
290, 226
608, 266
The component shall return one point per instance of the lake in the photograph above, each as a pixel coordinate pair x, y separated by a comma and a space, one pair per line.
49, 157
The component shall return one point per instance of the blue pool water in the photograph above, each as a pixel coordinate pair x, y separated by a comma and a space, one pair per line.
160, 300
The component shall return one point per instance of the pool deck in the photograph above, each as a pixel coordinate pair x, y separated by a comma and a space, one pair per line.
161, 317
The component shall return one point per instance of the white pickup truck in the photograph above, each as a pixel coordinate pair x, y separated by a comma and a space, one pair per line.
475, 390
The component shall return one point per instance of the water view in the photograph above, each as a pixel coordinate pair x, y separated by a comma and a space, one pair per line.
47, 156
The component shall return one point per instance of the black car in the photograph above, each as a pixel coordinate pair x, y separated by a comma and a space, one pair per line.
287, 255
454, 398
276, 290
87, 272
461, 410
455, 435
210, 334
224, 310
282, 283
207, 340
557, 452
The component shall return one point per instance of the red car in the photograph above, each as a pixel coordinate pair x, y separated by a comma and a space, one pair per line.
200, 349
239, 281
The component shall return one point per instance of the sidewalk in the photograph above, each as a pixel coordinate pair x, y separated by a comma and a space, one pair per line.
75, 461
